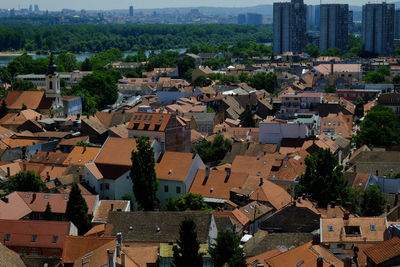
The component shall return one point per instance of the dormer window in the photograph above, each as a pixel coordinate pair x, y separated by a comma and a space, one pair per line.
352, 230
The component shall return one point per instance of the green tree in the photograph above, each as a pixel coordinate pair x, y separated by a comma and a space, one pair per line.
3, 109
264, 80
48, 215
98, 89
377, 76
330, 89
323, 180
215, 150
187, 252
77, 210
227, 251
373, 201
143, 174
66, 62
396, 79
185, 64
380, 127
202, 81
24, 181
21, 85
312, 50
247, 118
359, 111
188, 201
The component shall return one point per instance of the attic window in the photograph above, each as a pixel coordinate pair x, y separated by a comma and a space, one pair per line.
46, 196
7, 237
135, 125
27, 195
157, 127
146, 126
66, 197
299, 263
352, 230
54, 239
372, 227
330, 228
161, 118
150, 117
34, 238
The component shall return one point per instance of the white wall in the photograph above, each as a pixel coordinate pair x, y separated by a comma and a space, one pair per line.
273, 133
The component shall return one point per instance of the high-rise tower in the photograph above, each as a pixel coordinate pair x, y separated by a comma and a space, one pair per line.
334, 27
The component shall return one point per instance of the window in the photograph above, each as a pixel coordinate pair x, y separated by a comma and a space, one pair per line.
166, 188
7, 237
330, 228
178, 189
34, 238
54, 239
107, 186
352, 230
372, 227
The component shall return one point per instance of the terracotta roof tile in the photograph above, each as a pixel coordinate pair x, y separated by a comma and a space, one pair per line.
218, 184
105, 206
174, 166
31, 99
113, 146
149, 121
82, 155
385, 251
272, 193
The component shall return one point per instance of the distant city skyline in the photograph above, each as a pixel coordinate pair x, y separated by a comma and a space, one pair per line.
124, 4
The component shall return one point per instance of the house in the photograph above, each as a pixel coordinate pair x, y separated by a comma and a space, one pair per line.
375, 162
308, 254
31, 206
201, 72
107, 174
386, 253
336, 74
81, 155
95, 130
176, 172
72, 105
110, 119
390, 100
12, 121
215, 185
159, 227
291, 219
205, 121
298, 102
41, 238
77, 246
170, 132
348, 231
105, 206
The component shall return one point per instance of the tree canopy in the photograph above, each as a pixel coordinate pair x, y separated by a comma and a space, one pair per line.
373, 201
187, 252
247, 118
188, 201
380, 127
143, 174
24, 181
323, 180
215, 150
227, 250
377, 76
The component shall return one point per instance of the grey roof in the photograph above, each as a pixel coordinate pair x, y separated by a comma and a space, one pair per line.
155, 227
9, 258
249, 149
384, 162
201, 116
263, 241
99, 128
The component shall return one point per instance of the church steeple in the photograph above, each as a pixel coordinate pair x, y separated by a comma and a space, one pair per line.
51, 69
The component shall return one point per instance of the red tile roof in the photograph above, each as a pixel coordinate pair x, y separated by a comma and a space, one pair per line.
385, 251
174, 166
149, 121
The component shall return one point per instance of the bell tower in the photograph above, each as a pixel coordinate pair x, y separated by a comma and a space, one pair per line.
53, 88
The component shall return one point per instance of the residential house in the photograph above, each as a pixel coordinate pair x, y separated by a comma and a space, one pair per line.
298, 102
171, 133
201, 72
386, 253
72, 105
347, 232
39, 238
12, 121
159, 227
308, 254
338, 75
107, 174
156, 73
375, 162
31, 206
205, 121
176, 172
390, 100
105, 206
81, 155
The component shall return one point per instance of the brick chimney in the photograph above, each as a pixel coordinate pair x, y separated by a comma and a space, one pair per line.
320, 261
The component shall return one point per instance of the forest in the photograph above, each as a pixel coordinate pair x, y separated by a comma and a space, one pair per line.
77, 38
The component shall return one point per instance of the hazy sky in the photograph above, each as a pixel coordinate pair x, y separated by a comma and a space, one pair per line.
122, 4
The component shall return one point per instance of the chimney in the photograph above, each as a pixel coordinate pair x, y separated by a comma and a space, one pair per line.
112, 207
316, 239
78, 116
261, 182
110, 258
332, 68
320, 261
228, 174
5, 199
8, 172
33, 198
333, 204
377, 172
119, 244
346, 215
207, 175
84, 149
48, 176
122, 259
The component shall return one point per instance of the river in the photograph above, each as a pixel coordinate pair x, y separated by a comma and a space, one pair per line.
5, 59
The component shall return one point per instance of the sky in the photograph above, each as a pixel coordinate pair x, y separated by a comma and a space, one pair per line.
123, 4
